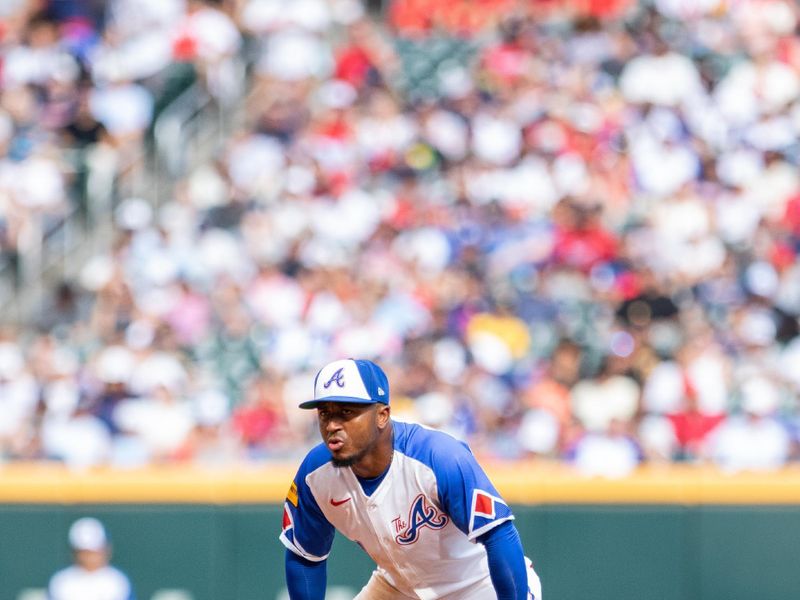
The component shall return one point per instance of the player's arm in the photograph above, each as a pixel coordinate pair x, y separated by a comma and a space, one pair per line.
506, 561
477, 509
306, 534
305, 580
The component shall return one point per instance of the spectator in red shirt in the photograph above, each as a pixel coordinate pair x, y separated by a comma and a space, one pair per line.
260, 422
692, 426
581, 240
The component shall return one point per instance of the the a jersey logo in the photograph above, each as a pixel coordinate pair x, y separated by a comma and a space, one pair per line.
337, 378
339, 502
421, 515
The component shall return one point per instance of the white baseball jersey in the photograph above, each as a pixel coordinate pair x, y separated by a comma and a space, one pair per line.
75, 583
419, 525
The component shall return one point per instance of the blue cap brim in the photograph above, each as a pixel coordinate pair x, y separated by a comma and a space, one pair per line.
343, 399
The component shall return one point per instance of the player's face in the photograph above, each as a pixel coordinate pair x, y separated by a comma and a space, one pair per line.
349, 430
91, 560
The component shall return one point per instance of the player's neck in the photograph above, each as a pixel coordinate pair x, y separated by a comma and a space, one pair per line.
378, 460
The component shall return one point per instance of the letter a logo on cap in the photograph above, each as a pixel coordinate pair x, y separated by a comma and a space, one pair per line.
337, 378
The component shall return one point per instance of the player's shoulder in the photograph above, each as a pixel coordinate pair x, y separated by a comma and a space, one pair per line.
62, 575
317, 457
429, 446
118, 574
117, 578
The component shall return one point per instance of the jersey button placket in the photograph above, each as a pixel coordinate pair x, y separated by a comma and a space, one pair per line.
385, 537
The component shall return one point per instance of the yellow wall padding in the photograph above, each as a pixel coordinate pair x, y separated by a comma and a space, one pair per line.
519, 483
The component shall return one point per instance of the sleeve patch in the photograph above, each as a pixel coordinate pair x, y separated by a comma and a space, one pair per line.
487, 511
288, 523
291, 495
483, 505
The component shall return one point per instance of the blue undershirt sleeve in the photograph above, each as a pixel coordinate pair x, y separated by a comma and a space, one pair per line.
305, 579
506, 561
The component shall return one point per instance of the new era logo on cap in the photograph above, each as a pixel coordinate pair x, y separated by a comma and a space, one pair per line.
350, 380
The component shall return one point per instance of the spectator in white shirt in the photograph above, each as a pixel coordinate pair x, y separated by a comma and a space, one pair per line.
754, 440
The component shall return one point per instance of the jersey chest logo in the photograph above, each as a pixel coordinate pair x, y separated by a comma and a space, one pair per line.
421, 515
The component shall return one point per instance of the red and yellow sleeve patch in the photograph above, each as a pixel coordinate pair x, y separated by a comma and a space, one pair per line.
291, 495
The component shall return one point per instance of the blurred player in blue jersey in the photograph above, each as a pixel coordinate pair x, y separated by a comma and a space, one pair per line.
416, 500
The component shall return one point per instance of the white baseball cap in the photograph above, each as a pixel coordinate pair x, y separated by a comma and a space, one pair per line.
350, 380
88, 534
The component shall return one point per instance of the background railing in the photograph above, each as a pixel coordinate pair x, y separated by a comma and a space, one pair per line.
187, 129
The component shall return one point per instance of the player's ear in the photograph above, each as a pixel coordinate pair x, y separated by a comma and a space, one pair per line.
384, 413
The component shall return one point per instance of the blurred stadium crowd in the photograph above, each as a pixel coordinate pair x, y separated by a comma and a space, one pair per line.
567, 230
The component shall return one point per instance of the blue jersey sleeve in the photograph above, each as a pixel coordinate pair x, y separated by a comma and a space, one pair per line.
305, 530
305, 580
465, 492
506, 562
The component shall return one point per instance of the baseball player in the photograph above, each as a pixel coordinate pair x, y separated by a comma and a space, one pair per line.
414, 499
91, 576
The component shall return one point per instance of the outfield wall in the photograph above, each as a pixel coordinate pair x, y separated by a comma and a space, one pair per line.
615, 540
